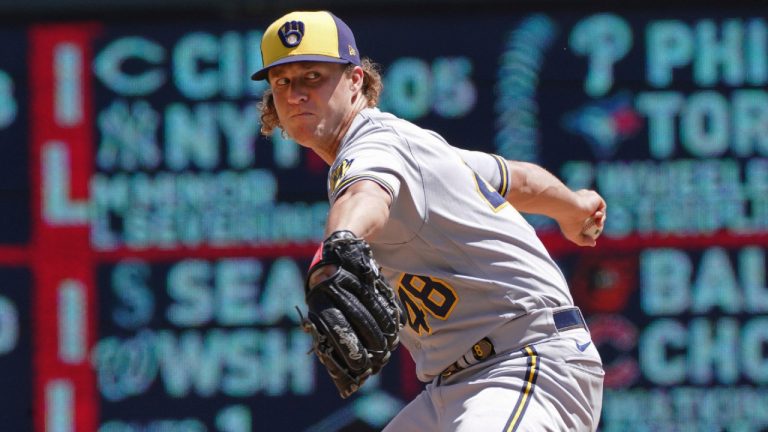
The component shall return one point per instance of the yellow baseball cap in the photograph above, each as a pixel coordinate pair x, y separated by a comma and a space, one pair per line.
306, 36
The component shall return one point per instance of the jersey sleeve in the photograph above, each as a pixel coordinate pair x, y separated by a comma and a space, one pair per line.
492, 168
367, 162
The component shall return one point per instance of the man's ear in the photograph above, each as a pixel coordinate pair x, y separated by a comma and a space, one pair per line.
358, 76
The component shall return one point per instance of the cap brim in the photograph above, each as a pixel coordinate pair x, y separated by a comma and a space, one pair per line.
262, 74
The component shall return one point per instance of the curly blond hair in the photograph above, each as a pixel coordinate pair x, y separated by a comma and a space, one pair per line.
372, 87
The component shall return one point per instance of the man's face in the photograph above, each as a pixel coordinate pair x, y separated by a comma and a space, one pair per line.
311, 99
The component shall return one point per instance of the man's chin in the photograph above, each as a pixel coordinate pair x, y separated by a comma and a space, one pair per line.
303, 136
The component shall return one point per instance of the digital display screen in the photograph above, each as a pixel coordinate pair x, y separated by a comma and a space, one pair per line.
154, 244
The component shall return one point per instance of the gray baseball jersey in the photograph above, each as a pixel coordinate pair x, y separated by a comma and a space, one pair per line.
462, 259
464, 264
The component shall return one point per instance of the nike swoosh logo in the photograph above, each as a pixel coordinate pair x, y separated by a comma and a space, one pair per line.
583, 346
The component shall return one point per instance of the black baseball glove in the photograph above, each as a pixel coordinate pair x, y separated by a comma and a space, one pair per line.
353, 316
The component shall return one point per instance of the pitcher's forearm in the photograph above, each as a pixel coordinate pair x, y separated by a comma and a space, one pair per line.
362, 209
533, 189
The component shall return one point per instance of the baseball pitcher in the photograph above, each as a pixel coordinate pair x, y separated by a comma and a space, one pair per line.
425, 246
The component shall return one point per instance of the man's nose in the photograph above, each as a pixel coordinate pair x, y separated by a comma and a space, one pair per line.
296, 93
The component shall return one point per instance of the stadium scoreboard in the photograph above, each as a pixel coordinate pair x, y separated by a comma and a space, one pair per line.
153, 244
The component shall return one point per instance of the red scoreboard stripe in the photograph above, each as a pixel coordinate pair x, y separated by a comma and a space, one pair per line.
62, 127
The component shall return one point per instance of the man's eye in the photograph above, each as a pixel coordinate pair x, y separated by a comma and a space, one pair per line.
313, 75
281, 81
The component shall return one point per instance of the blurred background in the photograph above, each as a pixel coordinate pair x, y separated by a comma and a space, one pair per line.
153, 244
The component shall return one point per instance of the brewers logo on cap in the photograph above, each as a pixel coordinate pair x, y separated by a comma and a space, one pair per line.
291, 33
307, 36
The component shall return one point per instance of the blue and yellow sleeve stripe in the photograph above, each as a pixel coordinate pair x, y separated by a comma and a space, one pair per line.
344, 183
504, 172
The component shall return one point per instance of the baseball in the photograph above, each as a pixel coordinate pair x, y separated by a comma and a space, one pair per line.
591, 229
